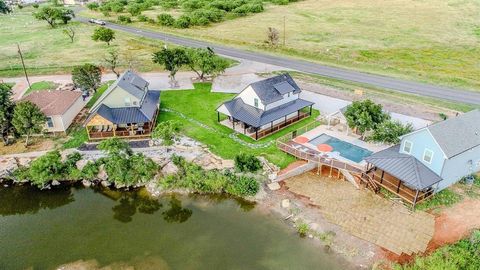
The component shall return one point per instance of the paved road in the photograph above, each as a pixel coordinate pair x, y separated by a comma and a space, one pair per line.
405, 86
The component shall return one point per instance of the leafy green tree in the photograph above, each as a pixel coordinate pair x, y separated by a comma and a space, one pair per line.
46, 168
52, 15
389, 132
172, 60
166, 131
205, 62
70, 32
112, 61
87, 76
7, 107
28, 119
365, 115
115, 146
4, 8
103, 34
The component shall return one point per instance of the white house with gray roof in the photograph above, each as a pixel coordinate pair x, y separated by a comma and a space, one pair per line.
266, 106
433, 157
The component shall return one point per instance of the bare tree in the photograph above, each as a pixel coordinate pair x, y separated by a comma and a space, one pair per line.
273, 36
112, 61
70, 32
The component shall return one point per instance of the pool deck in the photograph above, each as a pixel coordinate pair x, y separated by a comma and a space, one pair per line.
342, 135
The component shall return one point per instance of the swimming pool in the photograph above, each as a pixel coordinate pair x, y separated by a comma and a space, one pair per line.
346, 150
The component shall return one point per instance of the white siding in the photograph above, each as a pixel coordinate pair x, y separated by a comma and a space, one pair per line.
459, 166
72, 112
248, 96
223, 109
116, 98
285, 99
57, 124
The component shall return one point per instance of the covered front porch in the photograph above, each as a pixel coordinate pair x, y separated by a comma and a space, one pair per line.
257, 132
134, 130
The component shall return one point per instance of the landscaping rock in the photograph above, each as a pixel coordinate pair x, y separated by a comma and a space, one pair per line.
169, 169
86, 183
23, 161
102, 174
55, 183
7, 165
105, 183
81, 163
228, 164
285, 203
273, 186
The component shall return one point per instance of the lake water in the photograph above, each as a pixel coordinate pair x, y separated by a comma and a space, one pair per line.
45, 229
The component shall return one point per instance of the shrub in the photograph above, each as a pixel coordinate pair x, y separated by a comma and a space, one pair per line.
248, 8
134, 9
445, 197
183, 21
35, 5
242, 186
166, 131
389, 132
90, 171
169, 4
46, 168
71, 161
117, 8
165, 19
247, 163
124, 19
303, 229
142, 18
93, 6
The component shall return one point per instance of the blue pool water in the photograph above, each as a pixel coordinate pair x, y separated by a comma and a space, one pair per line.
346, 150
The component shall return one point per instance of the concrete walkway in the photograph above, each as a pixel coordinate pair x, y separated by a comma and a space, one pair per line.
366, 215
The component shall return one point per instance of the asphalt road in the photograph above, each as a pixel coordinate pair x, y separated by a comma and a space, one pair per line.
400, 85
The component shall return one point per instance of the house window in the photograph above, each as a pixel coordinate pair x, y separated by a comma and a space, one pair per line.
127, 101
428, 155
49, 122
255, 102
407, 147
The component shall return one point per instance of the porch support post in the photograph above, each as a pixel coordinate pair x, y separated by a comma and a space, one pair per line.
218, 116
381, 179
256, 133
114, 128
285, 119
415, 200
271, 126
233, 123
244, 129
298, 115
310, 110
398, 187
88, 132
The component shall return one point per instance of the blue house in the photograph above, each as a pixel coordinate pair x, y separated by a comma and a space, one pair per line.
429, 159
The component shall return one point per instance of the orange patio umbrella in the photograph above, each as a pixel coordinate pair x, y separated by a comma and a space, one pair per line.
324, 148
301, 139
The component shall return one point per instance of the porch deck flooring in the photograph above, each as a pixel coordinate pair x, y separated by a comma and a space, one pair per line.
366, 215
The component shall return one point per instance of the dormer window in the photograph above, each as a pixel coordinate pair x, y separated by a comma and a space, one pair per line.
407, 147
428, 156
255, 102
128, 102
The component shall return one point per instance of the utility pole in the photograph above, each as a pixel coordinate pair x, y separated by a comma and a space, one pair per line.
284, 31
23, 64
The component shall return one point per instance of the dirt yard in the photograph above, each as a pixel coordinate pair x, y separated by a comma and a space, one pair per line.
37, 144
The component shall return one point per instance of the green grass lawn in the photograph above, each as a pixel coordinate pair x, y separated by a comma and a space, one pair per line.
41, 86
200, 105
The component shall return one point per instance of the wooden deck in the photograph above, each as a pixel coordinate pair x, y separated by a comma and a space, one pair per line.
128, 133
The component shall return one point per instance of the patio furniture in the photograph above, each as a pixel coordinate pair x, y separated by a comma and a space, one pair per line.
141, 130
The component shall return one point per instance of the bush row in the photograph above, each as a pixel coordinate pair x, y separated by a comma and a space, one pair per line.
193, 177
195, 12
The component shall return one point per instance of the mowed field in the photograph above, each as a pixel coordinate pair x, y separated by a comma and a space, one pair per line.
429, 40
49, 51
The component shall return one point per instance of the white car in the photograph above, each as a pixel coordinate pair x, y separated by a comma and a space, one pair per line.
97, 21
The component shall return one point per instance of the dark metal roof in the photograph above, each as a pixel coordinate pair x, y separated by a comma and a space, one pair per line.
256, 117
143, 114
457, 134
132, 83
273, 89
405, 167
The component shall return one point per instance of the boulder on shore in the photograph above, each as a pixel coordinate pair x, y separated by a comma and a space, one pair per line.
102, 174
7, 165
86, 183
169, 169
